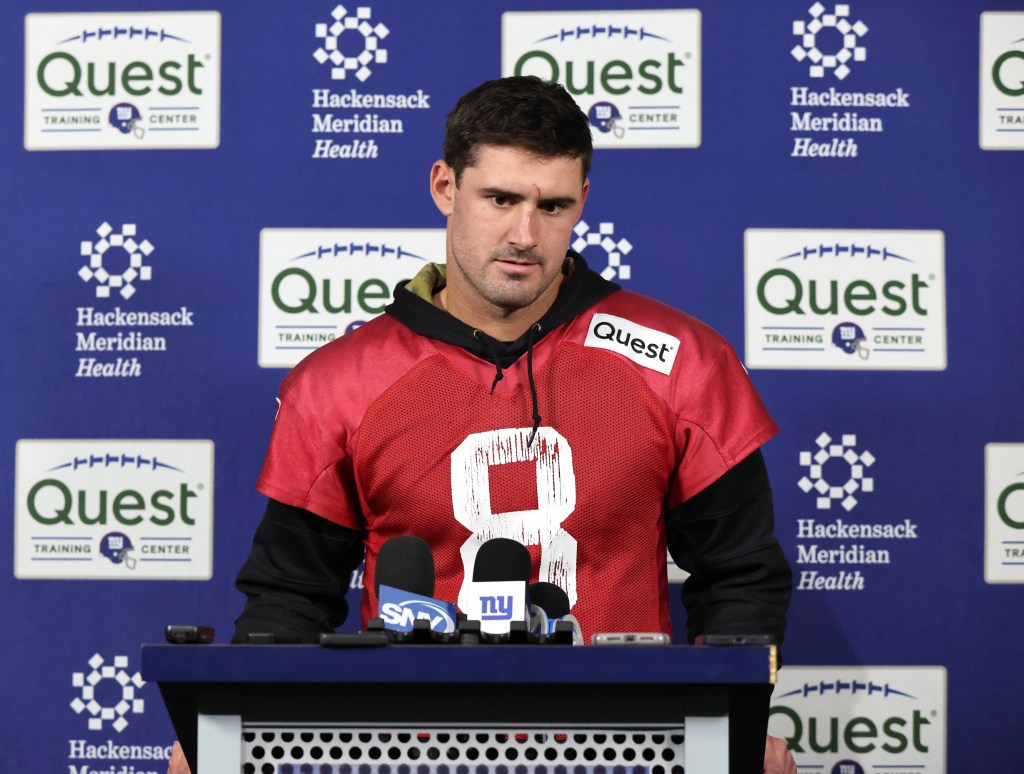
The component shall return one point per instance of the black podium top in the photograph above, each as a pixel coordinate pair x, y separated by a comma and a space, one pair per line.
509, 664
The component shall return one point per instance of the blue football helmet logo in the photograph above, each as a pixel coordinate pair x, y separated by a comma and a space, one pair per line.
606, 118
127, 119
850, 338
117, 547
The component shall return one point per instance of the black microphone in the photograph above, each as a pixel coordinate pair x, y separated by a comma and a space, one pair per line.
549, 614
549, 598
403, 579
502, 559
496, 596
407, 563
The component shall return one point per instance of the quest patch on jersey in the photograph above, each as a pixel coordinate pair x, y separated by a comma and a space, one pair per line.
644, 346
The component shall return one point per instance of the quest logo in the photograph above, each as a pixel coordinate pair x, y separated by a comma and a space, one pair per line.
636, 74
1004, 513
867, 300
318, 284
114, 509
850, 720
644, 346
1001, 109
116, 81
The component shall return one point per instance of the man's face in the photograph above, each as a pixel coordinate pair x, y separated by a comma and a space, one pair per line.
509, 225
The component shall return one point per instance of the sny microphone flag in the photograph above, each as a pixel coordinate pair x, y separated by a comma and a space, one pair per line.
400, 609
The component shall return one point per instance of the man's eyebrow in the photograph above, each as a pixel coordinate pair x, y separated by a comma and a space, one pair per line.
548, 201
558, 201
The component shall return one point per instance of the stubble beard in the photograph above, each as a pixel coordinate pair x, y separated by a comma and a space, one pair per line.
506, 292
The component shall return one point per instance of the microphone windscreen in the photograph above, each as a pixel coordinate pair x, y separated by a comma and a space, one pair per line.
549, 598
407, 563
502, 559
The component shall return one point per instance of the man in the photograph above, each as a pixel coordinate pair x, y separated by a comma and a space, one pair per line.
515, 393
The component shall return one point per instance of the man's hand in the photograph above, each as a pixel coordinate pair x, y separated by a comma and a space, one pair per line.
777, 757
178, 765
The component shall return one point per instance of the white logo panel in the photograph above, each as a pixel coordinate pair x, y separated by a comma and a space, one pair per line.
1001, 111
1004, 513
862, 719
318, 284
845, 299
107, 81
636, 74
114, 509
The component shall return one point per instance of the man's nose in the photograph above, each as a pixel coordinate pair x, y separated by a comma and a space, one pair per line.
521, 229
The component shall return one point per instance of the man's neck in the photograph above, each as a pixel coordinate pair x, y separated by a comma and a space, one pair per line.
496, 323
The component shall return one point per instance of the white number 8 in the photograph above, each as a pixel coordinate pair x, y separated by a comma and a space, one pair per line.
556, 499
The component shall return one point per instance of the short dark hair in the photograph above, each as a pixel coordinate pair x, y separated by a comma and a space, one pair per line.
522, 112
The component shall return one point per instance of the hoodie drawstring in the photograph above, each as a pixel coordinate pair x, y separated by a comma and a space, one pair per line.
499, 374
495, 356
535, 328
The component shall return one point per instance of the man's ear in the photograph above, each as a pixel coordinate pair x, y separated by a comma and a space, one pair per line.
442, 187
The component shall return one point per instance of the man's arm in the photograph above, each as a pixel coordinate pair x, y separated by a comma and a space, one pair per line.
296, 575
740, 581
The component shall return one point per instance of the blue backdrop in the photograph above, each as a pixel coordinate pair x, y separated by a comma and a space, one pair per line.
195, 136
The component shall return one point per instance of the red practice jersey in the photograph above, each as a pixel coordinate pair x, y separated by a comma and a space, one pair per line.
393, 432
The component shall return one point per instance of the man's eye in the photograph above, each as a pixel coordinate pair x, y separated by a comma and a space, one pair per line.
551, 209
501, 201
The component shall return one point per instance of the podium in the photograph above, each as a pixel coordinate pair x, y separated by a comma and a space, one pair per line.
462, 709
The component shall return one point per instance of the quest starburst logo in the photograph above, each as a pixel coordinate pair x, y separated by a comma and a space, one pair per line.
834, 32
842, 454
603, 240
108, 693
351, 43
115, 261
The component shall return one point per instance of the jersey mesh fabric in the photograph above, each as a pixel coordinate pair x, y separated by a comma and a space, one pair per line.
622, 460
369, 424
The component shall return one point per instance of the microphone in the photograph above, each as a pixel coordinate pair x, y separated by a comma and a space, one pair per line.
403, 579
407, 563
496, 596
547, 602
502, 559
549, 606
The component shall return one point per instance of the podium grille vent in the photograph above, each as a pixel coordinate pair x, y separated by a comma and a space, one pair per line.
318, 750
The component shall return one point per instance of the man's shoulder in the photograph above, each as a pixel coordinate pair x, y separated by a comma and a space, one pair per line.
657, 316
378, 352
